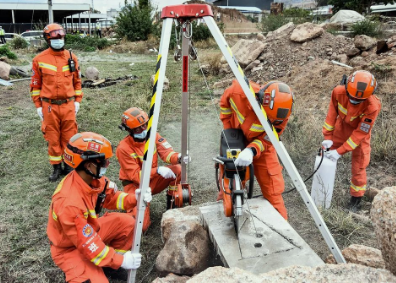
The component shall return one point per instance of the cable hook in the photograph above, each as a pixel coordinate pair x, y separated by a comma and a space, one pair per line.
187, 29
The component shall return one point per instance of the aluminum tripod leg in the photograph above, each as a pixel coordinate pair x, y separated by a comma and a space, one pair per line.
273, 136
151, 133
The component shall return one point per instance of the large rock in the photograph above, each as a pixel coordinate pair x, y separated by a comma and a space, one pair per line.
353, 52
92, 73
364, 42
171, 278
281, 32
166, 82
296, 274
305, 32
246, 51
186, 249
360, 254
383, 215
5, 71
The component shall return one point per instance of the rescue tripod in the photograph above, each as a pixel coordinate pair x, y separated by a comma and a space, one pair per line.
184, 14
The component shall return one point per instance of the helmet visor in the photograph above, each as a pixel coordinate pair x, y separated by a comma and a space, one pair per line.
56, 33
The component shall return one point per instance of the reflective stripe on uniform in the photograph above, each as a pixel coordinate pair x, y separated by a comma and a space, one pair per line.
134, 155
98, 259
65, 68
168, 158
78, 92
260, 144
86, 214
351, 143
120, 201
240, 117
55, 158
47, 66
342, 109
35, 93
92, 213
328, 127
357, 188
225, 111
257, 128
120, 251
54, 216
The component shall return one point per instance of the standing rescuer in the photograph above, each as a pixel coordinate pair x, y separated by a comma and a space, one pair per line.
2, 38
56, 92
81, 241
237, 113
130, 153
352, 112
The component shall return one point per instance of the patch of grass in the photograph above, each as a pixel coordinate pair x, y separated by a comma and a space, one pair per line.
367, 27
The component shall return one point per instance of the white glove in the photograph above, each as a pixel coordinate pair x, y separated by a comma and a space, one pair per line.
327, 143
76, 106
245, 158
40, 113
131, 261
147, 195
113, 186
166, 172
186, 159
332, 155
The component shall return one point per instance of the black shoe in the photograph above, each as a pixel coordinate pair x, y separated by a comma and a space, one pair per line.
354, 204
56, 173
118, 274
66, 169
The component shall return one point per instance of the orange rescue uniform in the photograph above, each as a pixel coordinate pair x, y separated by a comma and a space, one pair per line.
54, 88
130, 156
81, 242
349, 127
237, 113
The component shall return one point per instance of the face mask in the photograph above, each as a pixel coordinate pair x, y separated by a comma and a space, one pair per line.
57, 43
102, 172
140, 136
355, 102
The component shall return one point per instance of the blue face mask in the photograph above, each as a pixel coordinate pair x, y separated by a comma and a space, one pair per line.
57, 44
355, 102
102, 172
140, 136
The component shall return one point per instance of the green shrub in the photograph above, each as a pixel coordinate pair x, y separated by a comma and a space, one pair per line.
89, 49
272, 22
366, 27
5, 51
77, 42
19, 43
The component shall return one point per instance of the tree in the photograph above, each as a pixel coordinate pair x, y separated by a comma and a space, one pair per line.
357, 5
135, 21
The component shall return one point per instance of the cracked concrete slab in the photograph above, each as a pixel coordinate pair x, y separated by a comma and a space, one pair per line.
266, 240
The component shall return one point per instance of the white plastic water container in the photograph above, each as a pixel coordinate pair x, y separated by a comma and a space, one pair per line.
323, 182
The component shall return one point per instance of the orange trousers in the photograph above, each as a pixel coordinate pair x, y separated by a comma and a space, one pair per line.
59, 126
157, 185
360, 158
116, 231
268, 173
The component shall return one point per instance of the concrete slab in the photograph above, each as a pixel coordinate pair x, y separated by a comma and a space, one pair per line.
266, 240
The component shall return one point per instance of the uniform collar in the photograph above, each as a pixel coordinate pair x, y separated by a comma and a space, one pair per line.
95, 188
132, 141
56, 53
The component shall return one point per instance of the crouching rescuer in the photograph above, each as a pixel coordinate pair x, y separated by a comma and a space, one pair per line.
56, 92
130, 156
352, 112
237, 113
81, 241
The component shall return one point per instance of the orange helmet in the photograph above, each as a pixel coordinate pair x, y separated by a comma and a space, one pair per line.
53, 31
361, 85
277, 99
133, 118
88, 146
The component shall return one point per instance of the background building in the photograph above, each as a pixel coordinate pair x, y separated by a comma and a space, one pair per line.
261, 4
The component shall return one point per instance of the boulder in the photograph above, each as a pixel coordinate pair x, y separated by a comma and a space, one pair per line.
357, 61
353, 52
360, 254
296, 274
260, 37
383, 215
364, 42
91, 73
370, 193
382, 46
305, 32
223, 84
187, 243
252, 65
342, 58
4, 71
281, 32
166, 82
171, 278
246, 51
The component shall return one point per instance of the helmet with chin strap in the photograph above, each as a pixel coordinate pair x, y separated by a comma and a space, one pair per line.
361, 85
53, 31
133, 118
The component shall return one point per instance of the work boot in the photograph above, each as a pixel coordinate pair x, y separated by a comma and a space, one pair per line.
56, 173
118, 274
66, 169
354, 204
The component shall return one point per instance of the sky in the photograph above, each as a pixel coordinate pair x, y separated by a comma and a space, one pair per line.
101, 5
